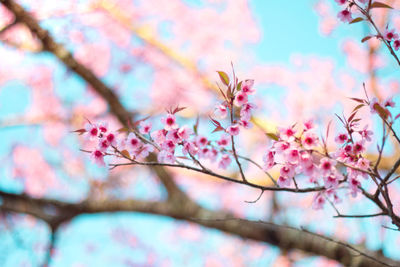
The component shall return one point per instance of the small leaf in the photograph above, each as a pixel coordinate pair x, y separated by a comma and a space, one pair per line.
177, 109
356, 20
380, 5
224, 77
218, 129
397, 116
272, 136
352, 116
357, 99
366, 38
383, 113
123, 129
125, 153
196, 126
215, 122
239, 86
358, 107
80, 131
340, 119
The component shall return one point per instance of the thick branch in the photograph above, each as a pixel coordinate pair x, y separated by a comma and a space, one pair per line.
58, 50
285, 237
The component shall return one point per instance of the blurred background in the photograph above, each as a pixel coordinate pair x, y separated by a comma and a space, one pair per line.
155, 55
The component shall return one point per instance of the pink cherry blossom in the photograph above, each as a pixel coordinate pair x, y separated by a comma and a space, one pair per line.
318, 201
225, 140
133, 143
241, 99
310, 140
224, 161
309, 125
287, 171
98, 157
292, 156
359, 147
159, 136
341, 138
92, 132
345, 15
166, 157
284, 181
327, 166
174, 136
184, 132
287, 134
168, 145
204, 153
396, 44
390, 35
103, 144
247, 86
363, 164
144, 151
389, 102
111, 138
331, 193
145, 127
312, 171
354, 184
341, 2
189, 147
332, 180
281, 146
245, 111
366, 134
233, 130
221, 111
169, 122
246, 124
201, 141
103, 127
269, 160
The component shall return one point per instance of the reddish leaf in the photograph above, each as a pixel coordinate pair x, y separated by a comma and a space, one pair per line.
218, 129
357, 99
80, 131
177, 109
358, 107
366, 38
383, 113
356, 20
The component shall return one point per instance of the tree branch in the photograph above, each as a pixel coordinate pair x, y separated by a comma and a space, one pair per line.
62, 54
285, 237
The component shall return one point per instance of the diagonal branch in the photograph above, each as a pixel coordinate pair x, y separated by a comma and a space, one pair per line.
62, 54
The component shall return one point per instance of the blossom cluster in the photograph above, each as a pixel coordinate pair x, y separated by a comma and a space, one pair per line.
172, 138
301, 153
296, 151
346, 15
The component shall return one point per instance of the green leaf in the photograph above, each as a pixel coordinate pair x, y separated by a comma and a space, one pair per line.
272, 136
356, 20
239, 86
380, 5
224, 77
